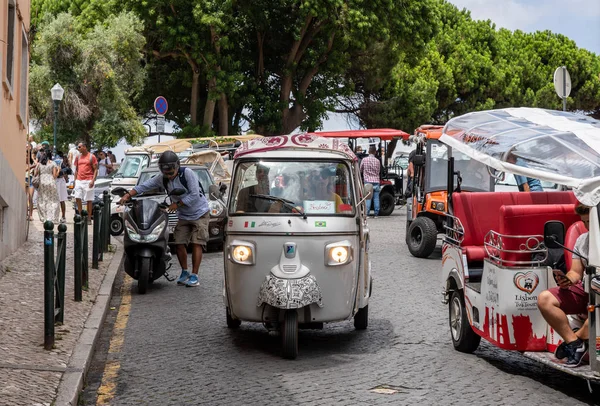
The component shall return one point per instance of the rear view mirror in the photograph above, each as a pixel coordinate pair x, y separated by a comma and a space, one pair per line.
368, 191
177, 192
213, 192
419, 160
554, 234
119, 191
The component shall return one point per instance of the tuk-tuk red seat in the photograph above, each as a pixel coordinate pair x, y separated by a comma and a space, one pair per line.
526, 221
573, 232
479, 212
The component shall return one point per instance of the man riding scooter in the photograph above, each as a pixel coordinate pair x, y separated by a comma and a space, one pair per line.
192, 212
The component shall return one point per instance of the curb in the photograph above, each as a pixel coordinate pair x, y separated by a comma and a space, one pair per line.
73, 378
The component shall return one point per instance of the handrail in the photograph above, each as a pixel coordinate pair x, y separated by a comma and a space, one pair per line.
455, 234
494, 246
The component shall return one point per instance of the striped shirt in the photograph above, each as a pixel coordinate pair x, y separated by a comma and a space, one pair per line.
370, 167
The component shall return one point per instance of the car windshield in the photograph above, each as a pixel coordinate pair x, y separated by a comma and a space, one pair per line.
509, 180
202, 174
131, 166
311, 187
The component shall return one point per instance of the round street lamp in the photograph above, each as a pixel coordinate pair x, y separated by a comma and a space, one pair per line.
57, 94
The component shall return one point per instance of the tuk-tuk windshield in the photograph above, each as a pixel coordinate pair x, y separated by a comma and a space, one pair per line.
132, 165
312, 187
474, 174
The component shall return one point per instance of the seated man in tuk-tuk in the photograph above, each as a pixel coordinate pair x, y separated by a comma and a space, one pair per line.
569, 298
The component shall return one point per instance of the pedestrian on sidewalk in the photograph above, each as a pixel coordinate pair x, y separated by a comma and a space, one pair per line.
86, 171
48, 204
370, 167
192, 211
61, 183
31, 164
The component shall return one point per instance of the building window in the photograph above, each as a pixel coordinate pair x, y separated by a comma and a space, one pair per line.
10, 43
23, 79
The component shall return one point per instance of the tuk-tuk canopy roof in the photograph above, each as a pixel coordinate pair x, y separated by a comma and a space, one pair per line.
296, 141
384, 134
158, 148
430, 131
555, 146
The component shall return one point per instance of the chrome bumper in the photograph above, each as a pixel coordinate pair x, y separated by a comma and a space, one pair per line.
290, 293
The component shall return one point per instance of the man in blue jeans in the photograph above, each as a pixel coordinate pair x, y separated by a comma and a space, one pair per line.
370, 168
524, 183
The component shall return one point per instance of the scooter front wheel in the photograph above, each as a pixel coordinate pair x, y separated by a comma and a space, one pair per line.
289, 334
144, 275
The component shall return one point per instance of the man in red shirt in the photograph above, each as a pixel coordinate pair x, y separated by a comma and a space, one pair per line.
86, 170
370, 167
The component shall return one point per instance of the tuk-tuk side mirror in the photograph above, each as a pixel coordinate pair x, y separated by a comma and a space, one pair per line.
367, 191
419, 160
554, 234
213, 192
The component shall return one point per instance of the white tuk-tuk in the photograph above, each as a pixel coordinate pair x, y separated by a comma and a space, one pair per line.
296, 245
496, 246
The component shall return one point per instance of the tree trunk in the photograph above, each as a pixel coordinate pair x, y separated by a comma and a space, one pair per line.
223, 115
209, 110
194, 98
293, 119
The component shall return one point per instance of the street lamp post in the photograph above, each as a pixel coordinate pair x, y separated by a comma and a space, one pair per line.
57, 94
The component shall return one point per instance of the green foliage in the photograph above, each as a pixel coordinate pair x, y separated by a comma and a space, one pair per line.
99, 69
468, 66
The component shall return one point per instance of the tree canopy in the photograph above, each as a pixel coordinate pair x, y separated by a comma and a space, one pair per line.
100, 70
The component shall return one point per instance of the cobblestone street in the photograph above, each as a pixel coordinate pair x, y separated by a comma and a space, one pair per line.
175, 348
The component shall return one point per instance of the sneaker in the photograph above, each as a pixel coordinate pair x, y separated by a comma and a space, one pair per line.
192, 281
560, 352
576, 351
183, 278
63, 220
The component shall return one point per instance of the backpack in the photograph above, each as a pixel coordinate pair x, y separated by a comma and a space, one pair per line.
183, 180
91, 159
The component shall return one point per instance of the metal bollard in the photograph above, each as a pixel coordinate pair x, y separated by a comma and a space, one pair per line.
102, 240
106, 218
77, 241
60, 271
95, 237
86, 262
48, 285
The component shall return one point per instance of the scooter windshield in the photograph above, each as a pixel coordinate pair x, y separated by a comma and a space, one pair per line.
144, 213
274, 187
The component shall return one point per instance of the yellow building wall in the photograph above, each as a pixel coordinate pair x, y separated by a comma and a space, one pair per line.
14, 118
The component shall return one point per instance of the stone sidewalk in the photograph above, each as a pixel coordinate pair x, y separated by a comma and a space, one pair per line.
30, 375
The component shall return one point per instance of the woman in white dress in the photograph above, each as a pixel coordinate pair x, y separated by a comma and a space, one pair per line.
48, 203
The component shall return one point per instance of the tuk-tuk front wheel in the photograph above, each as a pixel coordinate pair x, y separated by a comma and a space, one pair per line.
386, 203
231, 322
464, 338
422, 237
289, 334
361, 318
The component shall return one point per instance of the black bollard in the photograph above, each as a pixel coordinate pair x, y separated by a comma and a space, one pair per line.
102, 239
95, 237
60, 272
48, 285
78, 247
85, 251
106, 219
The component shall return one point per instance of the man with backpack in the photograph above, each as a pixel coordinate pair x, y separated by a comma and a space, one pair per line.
192, 212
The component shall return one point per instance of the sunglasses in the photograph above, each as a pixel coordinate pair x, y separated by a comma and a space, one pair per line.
167, 167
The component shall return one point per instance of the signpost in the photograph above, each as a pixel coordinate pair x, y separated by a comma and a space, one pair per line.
562, 84
161, 107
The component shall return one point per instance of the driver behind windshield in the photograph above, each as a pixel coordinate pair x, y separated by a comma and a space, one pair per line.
249, 204
192, 212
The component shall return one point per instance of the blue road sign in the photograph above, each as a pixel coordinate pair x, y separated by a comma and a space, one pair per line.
161, 106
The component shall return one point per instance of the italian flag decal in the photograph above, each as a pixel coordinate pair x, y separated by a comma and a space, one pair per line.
249, 224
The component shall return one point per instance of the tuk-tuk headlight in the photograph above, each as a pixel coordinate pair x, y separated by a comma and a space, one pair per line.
439, 206
338, 253
242, 253
216, 209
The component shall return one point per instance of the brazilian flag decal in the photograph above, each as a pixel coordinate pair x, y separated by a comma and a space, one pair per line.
320, 224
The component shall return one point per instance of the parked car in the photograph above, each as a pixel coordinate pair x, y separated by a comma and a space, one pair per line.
216, 206
509, 184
